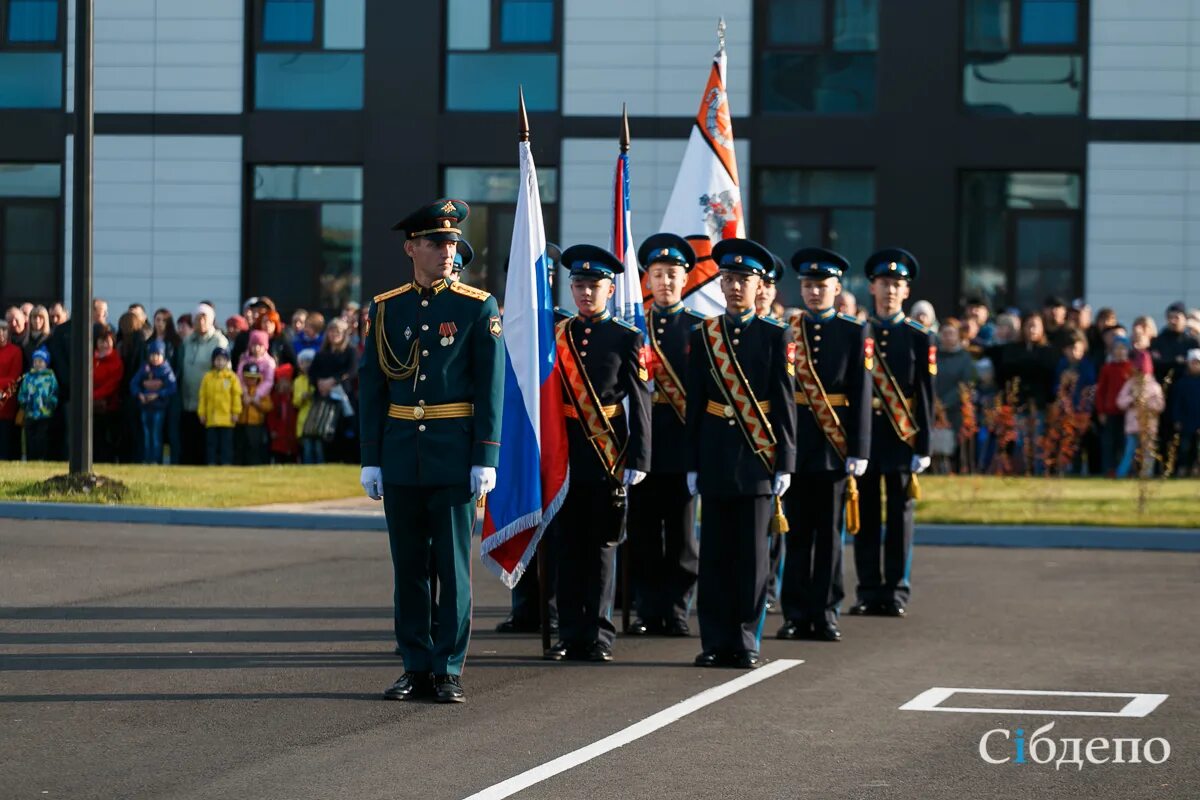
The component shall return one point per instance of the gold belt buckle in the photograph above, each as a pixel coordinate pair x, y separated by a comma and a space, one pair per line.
418, 412
729, 412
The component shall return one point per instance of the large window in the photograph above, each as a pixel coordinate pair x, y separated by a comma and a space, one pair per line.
1024, 56
818, 56
492, 195
818, 208
494, 45
309, 54
30, 228
31, 59
306, 236
1020, 236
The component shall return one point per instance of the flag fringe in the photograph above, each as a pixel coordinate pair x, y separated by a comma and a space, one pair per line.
539, 518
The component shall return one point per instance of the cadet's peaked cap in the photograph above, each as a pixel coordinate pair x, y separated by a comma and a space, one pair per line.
895, 262
819, 263
463, 255
437, 221
589, 261
666, 248
776, 271
553, 255
742, 255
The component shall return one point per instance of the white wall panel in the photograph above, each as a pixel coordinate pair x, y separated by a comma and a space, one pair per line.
1144, 59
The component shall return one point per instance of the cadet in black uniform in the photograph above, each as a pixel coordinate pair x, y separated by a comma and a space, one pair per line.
764, 306
526, 614
600, 361
902, 376
833, 440
741, 435
662, 512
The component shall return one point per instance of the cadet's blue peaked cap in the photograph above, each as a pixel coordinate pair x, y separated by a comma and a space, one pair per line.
666, 248
438, 221
590, 261
819, 263
463, 255
778, 268
895, 262
743, 255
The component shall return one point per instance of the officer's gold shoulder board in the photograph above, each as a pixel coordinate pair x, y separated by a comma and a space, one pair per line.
849, 318
379, 298
458, 287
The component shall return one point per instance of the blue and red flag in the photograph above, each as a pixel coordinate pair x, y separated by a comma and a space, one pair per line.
627, 295
532, 474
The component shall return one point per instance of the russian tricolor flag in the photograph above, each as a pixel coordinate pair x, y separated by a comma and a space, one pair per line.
532, 472
627, 297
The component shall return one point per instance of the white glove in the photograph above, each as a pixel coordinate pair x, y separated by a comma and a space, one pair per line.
920, 464
483, 480
371, 479
782, 481
693, 478
633, 477
856, 467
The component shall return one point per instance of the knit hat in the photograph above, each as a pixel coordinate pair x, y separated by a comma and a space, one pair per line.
307, 354
258, 337
283, 372
204, 309
41, 353
1123, 341
237, 323
1142, 362
1177, 308
219, 351
156, 348
1193, 354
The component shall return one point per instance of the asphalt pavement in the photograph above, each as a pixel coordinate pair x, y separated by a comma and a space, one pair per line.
141, 661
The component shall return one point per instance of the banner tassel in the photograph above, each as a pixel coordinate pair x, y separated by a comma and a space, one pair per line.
852, 521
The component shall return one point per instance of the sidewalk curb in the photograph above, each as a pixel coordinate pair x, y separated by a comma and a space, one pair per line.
1047, 536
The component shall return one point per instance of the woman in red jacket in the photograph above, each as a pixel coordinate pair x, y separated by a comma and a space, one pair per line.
11, 369
107, 372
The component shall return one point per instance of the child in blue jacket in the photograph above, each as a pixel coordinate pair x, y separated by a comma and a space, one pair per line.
153, 385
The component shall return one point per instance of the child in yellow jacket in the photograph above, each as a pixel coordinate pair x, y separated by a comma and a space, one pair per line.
220, 407
312, 449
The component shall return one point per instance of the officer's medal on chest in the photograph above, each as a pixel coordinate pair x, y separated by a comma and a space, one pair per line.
447, 330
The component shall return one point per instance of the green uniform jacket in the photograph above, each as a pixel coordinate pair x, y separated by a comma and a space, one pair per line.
469, 369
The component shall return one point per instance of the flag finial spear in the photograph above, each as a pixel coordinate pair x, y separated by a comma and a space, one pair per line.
522, 116
721, 34
624, 128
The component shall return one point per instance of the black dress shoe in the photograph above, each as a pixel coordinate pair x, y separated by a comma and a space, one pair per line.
707, 659
557, 652
894, 609
409, 686
747, 659
827, 632
448, 689
515, 625
638, 628
862, 609
598, 652
677, 627
794, 630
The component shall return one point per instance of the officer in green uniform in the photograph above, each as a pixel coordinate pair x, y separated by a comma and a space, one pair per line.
431, 390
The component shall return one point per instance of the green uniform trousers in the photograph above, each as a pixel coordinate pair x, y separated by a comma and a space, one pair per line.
421, 520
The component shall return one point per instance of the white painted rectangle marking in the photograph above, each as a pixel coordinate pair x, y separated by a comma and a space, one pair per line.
634, 732
1140, 704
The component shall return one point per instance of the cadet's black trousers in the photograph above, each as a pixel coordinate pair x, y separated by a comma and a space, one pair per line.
421, 519
663, 546
525, 601
733, 571
897, 538
812, 571
588, 532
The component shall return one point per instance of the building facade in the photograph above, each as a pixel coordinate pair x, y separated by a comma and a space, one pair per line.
1019, 147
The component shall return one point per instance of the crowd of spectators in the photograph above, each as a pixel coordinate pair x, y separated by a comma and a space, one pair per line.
185, 390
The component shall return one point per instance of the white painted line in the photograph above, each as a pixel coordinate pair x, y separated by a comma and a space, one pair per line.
1139, 705
633, 732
